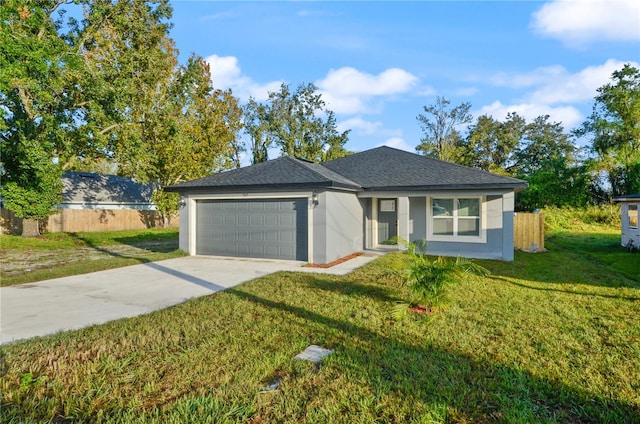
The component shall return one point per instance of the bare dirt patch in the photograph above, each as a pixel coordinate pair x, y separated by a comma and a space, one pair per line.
14, 262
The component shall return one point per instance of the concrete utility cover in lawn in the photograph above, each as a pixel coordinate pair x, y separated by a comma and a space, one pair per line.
313, 354
46, 307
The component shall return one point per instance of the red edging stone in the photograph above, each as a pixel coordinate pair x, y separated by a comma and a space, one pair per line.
336, 262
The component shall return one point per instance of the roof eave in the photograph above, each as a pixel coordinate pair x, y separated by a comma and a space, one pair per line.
627, 198
261, 187
444, 187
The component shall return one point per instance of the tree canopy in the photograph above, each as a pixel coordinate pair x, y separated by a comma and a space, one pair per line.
542, 152
104, 89
37, 69
439, 124
297, 122
614, 127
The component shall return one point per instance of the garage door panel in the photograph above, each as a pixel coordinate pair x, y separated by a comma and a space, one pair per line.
287, 236
274, 228
256, 220
286, 221
270, 235
243, 235
256, 206
271, 220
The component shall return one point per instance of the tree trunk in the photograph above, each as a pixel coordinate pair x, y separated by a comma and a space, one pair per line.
30, 227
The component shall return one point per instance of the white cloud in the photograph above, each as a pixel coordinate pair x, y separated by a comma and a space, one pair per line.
553, 91
218, 16
568, 115
527, 79
226, 73
554, 84
350, 81
349, 91
360, 125
398, 143
466, 92
579, 22
581, 86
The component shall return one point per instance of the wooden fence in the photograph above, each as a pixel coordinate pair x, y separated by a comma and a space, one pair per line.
76, 220
528, 232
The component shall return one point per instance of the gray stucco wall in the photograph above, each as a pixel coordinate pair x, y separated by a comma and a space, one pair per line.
508, 200
492, 248
417, 218
499, 227
319, 253
337, 226
367, 205
183, 237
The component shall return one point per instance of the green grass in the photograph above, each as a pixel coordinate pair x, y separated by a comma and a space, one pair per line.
26, 260
551, 337
85, 239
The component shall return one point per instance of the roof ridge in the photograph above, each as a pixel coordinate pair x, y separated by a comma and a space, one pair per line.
309, 165
305, 165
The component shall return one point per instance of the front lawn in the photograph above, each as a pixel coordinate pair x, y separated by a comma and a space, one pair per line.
551, 337
25, 260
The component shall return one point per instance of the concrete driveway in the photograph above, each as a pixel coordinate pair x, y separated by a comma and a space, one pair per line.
69, 303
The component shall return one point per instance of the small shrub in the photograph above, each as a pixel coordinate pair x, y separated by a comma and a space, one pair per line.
429, 280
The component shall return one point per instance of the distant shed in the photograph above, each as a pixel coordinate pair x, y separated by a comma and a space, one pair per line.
629, 206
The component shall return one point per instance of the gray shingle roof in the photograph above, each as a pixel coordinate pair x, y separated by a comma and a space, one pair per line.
90, 188
382, 168
386, 168
284, 172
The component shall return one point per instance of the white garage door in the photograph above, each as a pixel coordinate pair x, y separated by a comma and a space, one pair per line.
274, 228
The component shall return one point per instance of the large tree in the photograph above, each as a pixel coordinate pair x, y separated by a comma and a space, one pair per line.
439, 124
105, 91
192, 133
37, 73
160, 122
614, 126
542, 141
256, 125
130, 59
297, 122
547, 159
490, 144
539, 152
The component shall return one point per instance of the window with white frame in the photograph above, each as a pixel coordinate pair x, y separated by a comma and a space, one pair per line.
632, 216
456, 217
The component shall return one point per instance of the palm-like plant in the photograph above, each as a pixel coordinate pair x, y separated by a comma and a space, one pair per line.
429, 279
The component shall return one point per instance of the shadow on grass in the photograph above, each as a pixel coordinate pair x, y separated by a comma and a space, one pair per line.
569, 292
587, 259
156, 243
585, 242
354, 289
429, 378
150, 243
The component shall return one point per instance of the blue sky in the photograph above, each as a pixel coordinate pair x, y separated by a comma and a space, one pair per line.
378, 63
